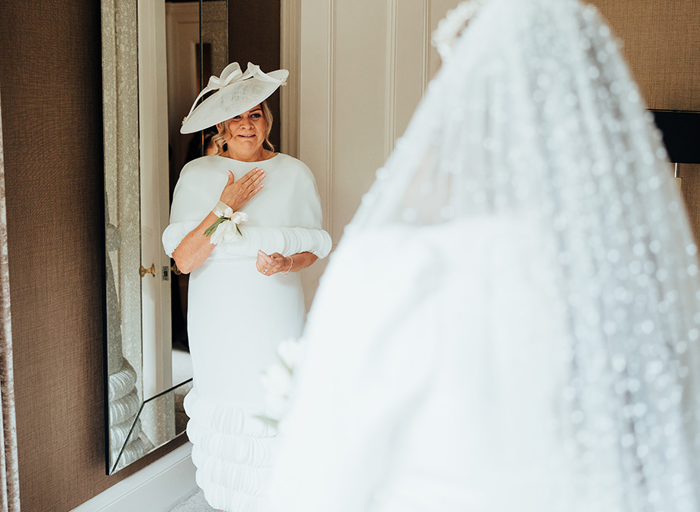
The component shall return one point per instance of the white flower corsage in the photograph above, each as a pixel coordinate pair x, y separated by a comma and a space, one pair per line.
226, 229
278, 380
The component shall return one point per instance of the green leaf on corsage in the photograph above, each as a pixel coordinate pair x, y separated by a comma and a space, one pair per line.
210, 230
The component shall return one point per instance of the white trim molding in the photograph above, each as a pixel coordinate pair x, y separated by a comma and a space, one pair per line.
316, 61
330, 119
290, 16
155, 488
391, 72
427, 36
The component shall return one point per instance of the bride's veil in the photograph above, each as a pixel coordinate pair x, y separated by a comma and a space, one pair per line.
534, 118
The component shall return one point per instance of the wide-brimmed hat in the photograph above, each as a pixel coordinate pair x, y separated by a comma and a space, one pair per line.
235, 92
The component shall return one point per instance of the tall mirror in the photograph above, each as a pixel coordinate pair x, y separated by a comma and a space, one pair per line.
155, 55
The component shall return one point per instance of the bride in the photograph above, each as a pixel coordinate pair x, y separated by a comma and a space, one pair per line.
511, 319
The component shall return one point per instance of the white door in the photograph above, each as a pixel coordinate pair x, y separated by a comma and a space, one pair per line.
153, 140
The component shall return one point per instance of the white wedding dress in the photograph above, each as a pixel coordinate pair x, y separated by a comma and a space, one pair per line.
511, 321
237, 317
394, 407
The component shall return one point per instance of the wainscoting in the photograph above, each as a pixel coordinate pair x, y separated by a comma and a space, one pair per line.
363, 66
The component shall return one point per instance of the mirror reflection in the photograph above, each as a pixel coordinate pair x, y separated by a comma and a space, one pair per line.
156, 53
189, 65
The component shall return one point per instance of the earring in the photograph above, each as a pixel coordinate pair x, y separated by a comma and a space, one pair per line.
224, 147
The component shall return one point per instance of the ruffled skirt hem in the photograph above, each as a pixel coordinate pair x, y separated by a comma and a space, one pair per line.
233, 452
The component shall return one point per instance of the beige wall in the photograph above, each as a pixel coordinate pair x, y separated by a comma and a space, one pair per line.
662, 47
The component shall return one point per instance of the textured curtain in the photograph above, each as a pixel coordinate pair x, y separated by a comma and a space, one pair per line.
8, 435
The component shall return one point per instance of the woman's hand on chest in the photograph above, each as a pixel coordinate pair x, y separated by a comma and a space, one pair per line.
237, 193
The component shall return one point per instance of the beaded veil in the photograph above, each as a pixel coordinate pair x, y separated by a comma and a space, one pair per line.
535, 121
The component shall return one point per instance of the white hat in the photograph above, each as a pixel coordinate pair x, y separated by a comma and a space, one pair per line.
236, 92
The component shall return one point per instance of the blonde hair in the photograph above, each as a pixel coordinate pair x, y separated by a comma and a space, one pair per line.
219, 138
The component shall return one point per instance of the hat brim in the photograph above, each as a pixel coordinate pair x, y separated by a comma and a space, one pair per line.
231, 101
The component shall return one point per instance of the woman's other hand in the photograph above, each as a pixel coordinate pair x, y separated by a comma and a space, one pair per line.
269, 264
237, 193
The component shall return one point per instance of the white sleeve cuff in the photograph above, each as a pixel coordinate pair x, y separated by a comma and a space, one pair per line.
175, 233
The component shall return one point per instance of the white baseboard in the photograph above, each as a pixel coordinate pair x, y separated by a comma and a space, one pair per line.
155, 488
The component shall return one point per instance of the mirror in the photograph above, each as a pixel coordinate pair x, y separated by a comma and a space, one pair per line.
154, 54
189, 66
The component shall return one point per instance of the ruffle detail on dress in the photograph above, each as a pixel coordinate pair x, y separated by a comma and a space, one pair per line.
122, 383
175, 233
284, 240
132, 452
236, 477
118, 433
232, 450
253, 451
124, 408
228, 500
228, 419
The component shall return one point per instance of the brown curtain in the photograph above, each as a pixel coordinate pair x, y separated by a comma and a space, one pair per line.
8, 434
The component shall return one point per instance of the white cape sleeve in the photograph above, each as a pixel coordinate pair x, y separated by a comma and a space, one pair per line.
193, 198
298, 230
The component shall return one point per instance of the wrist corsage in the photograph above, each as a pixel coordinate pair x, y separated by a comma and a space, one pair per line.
225, 228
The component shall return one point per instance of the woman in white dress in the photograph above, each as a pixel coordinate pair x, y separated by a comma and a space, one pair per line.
511, 322
243, 223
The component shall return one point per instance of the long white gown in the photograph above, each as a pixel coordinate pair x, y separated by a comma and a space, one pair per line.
511, 321
237, 317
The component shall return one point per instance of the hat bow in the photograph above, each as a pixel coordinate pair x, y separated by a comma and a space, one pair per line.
232, 74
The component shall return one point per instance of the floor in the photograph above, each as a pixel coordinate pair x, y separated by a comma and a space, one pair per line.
193, 503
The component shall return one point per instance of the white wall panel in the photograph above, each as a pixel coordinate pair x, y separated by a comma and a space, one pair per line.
315, 101
409, 51
359, 134
363, 67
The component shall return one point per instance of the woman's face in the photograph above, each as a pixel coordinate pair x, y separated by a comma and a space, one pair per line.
248, 130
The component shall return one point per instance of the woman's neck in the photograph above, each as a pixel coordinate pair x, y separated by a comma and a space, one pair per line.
257, 155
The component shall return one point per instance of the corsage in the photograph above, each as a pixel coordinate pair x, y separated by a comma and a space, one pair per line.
225, 229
